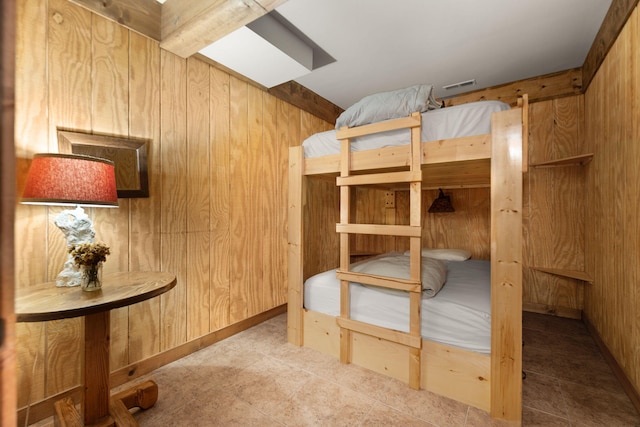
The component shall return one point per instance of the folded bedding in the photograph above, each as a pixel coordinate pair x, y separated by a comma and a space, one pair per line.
396, 264
389, 105
452, 122
459, 315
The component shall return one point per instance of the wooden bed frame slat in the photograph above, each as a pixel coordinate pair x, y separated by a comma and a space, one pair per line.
413, 121
380, 178
379, 229
398, 337
382, 281
475, 147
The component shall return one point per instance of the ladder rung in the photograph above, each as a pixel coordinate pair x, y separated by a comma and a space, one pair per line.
380, 178
382, 281
380, 229
379, 332
401, 123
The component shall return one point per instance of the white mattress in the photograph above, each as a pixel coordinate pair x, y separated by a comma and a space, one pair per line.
452, 122
459, 315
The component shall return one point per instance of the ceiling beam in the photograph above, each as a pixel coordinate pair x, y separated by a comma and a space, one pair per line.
142, 16
540, 88
614, 21
296, 94
188, 26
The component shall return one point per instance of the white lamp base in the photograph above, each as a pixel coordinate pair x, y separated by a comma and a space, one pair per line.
77, 228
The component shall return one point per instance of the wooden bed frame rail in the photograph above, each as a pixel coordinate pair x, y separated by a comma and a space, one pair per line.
490, 383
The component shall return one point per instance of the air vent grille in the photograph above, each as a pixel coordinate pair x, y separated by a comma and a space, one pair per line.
460, 84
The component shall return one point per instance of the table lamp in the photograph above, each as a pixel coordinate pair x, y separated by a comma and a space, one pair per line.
71, 180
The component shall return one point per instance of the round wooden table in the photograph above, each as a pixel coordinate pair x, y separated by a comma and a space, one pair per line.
47, 302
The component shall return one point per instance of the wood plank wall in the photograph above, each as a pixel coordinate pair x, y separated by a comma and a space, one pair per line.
553, 221
216, 215
466, 228
612, 132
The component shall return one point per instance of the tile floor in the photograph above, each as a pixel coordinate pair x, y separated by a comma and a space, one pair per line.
256, 379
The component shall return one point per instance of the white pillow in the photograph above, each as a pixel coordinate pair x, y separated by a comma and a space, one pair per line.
434, 272
445, 254
388, 105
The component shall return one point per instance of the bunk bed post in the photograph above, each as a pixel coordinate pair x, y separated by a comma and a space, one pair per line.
415, 262
506, 265
345, 250
295, 232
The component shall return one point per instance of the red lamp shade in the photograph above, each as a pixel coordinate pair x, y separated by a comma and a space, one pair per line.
69, 179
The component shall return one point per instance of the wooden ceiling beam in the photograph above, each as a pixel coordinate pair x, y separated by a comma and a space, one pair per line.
614, 21
142, 16
540, 88
189, 26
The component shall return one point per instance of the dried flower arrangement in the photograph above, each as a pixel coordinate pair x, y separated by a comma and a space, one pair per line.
89, 254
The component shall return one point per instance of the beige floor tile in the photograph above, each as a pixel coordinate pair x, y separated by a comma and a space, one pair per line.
322, 403
543, 393
535, 418
424, 405
268, 383
382, 415
594, 406
256, 378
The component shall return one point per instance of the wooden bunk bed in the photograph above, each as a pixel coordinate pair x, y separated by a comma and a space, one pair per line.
489, 382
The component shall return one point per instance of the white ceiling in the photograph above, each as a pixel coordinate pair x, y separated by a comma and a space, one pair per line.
382, 45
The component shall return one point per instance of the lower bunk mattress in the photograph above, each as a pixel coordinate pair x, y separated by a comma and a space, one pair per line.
458, 121
459, 315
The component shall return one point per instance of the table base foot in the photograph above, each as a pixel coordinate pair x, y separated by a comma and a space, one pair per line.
142, 396
68, 416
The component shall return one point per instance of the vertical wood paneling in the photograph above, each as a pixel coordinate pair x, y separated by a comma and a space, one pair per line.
554, 209
633, 244
239, 214
30, 353
466, 228
198, 199
479, 223
173, 196
272, 201
31, 136
144, 122
321, 212
220, 199
539, 249
216, 215
69, 61
612, 104
284, 139
626, 197
256, 207
110, 114
173, 304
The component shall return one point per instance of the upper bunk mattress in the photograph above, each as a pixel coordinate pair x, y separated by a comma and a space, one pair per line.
452, 122
459, 315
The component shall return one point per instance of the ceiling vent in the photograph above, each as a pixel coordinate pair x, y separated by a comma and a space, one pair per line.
460, 84
269, 51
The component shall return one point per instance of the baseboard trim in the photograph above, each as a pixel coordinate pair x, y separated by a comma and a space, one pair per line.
571, 313
45, 408
626, 384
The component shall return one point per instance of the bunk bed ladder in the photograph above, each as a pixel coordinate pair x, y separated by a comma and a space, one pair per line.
412, 339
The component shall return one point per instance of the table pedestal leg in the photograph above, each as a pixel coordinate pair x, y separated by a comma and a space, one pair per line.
96, 367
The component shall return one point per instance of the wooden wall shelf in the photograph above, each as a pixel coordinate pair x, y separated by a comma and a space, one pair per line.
580, 160
574, 274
